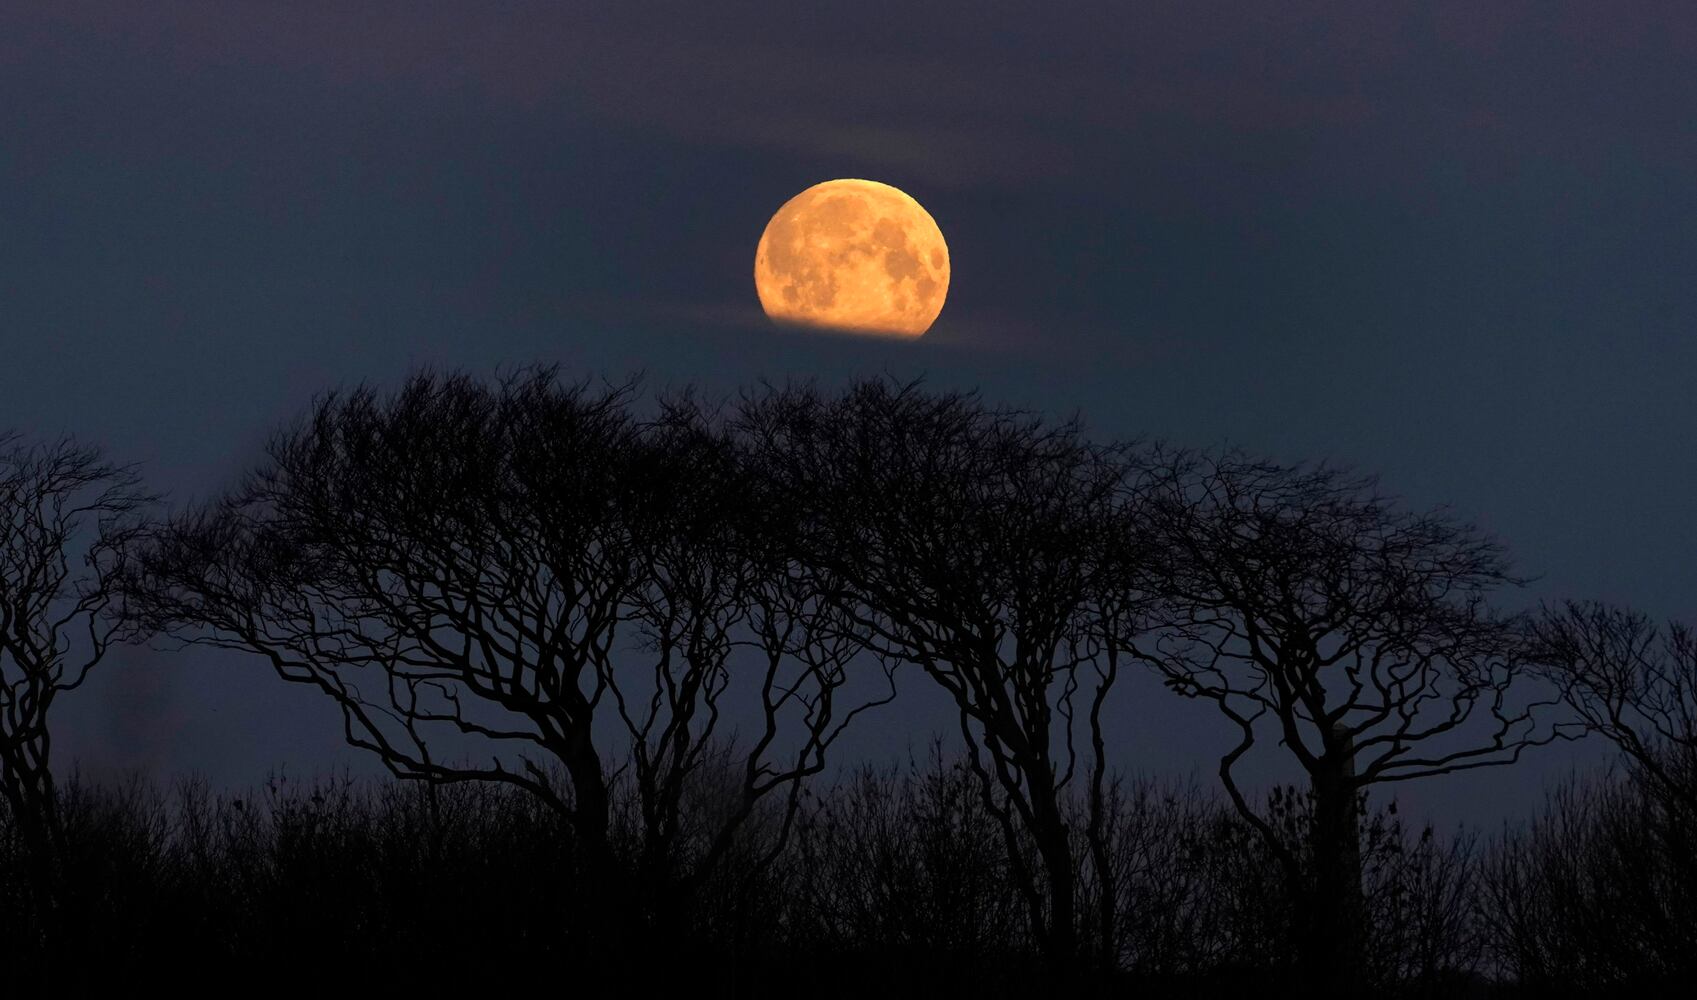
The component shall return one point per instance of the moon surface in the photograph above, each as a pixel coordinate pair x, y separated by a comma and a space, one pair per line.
853, 255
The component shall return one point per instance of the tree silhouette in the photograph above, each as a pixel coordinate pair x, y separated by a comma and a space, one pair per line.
611, 637
1303, 597
1597, 895
975, 544
505, 572
67, 516
1632, 683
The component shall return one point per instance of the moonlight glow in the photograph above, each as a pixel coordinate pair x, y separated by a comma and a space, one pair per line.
853, 255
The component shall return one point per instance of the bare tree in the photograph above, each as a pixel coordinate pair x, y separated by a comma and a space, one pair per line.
1599, 891
716, 578
972, 543
483, 579
1304, 599
1632, 683
66, 517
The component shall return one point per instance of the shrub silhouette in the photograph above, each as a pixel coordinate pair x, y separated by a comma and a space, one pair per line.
896, 878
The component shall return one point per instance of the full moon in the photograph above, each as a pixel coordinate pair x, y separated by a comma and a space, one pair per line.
853, 255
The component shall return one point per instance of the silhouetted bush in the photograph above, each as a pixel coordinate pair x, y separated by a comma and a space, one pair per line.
1598, 895
907, 865
895, 881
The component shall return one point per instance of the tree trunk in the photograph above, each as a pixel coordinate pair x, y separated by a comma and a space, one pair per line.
1060, 942
602, 916
1063, 927
1334, 949
33, 801
1107, 932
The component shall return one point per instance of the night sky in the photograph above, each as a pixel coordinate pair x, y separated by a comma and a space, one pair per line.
1454, 243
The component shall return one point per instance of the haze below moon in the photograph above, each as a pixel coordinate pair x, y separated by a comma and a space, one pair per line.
853, 255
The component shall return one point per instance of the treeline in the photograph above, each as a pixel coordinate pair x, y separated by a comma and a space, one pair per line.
612, 640
894, 882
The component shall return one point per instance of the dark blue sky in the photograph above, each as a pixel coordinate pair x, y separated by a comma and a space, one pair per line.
1454, 243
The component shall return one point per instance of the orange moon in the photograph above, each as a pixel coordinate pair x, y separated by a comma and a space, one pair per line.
853, 255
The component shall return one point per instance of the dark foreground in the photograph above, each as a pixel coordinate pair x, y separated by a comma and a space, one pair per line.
892, 886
